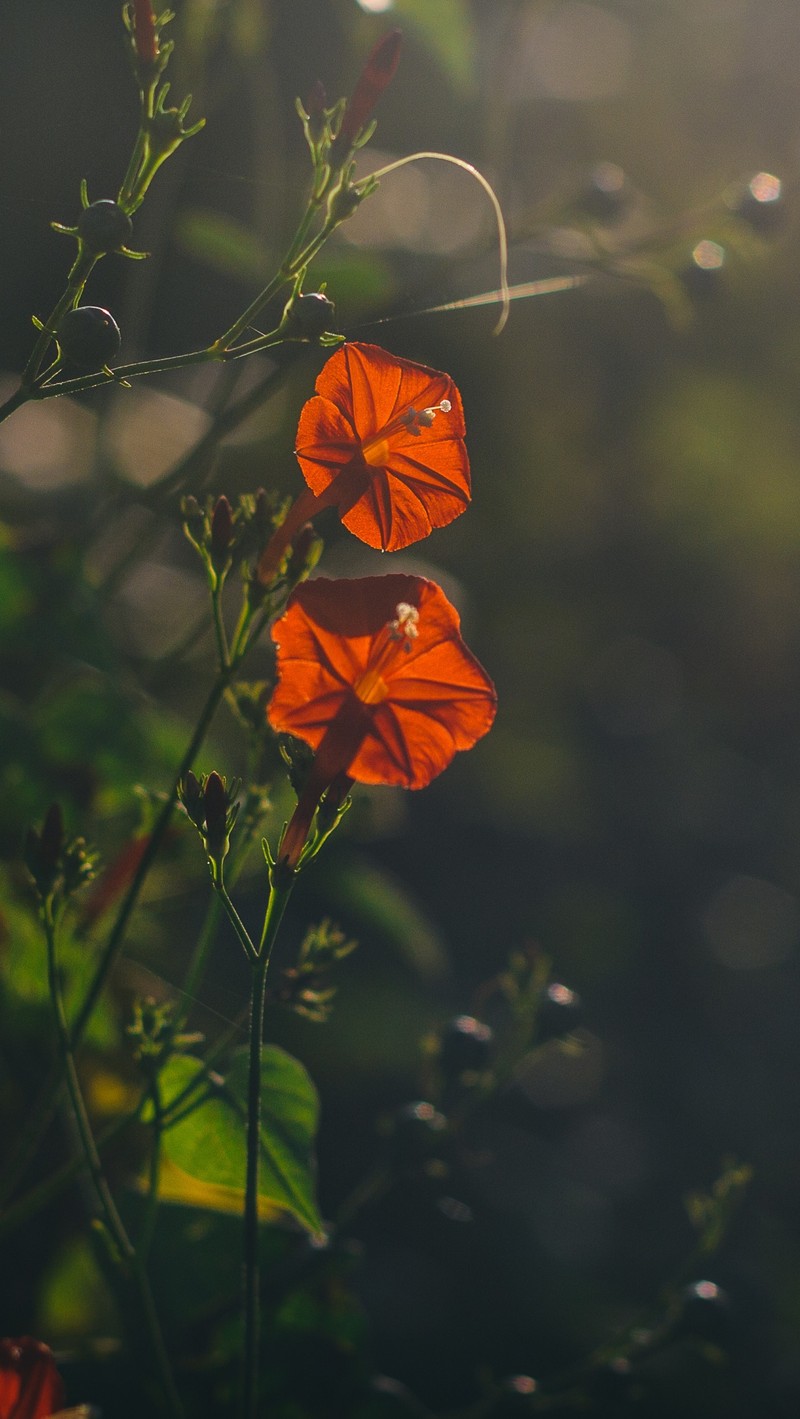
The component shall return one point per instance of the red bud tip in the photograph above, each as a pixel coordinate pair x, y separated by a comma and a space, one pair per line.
145, 40
377, 73
221, 526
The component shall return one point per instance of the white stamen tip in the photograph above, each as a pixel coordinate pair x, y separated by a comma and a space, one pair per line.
405, 624
445, 406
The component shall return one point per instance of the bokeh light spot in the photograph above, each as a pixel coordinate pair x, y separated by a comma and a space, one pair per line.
708, 255
765, 187
750, 923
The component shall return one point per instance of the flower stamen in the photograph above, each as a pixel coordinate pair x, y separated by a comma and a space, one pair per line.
376, 448
371, 688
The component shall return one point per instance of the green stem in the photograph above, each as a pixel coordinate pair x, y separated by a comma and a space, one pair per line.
276, 906
131, 1261
236, 921
148, 1228
76, 281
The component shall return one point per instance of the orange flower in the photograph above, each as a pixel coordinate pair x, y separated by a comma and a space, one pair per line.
30, 1385
382, 440
373, 675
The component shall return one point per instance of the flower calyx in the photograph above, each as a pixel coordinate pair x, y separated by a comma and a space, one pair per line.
149, 55
103, 227
212, 805
226, 534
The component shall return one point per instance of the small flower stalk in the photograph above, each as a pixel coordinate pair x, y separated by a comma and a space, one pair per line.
213, 807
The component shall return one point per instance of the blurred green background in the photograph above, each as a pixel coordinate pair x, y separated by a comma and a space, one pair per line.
628, 572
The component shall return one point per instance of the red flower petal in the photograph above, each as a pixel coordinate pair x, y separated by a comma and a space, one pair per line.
362, 420
437, 698
30, 1385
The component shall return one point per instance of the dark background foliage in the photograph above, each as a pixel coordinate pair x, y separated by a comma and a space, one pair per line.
628, 572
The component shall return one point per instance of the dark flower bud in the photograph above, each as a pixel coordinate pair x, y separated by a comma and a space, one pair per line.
217, 805
377, 73
465, 1046
51, 839
88, 337
221, 531
190, 794
314, 109
104, 226
42, 851
560, 1011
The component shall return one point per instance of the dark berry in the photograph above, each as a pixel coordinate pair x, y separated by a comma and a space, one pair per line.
311, 315
701, 276
605, 196
417, 1128
761, 203
560, 1011
89, 337
104, 227
465, 1046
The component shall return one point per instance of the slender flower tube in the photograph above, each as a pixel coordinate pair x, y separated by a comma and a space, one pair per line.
30, 1385
374, 675
145, 39
376, 75
382, 440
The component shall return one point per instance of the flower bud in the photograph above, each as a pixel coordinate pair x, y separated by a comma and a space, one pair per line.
216, 816
314, 109
377, 73
42, 851
221, 532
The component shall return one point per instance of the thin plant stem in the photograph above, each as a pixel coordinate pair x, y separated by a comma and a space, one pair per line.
276, 906
129, 1258
235, 920
148, 1227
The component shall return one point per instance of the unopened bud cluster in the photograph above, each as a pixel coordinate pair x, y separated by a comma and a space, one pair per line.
57, 864
213, 807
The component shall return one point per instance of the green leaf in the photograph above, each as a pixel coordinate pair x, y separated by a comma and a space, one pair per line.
206, 1151
446, 29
